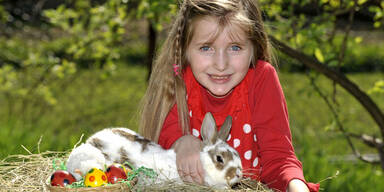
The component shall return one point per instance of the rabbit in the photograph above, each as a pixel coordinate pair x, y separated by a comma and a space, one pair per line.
221, 163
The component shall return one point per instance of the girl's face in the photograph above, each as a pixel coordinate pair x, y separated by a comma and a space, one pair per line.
219, 59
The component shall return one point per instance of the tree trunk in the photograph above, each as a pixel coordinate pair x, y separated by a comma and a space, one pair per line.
152, 36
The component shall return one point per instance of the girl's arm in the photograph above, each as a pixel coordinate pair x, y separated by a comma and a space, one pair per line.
296, 185
270, 121
188, 161
187, 148
171, 130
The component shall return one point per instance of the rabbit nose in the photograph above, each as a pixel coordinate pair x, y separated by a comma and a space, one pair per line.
239, 173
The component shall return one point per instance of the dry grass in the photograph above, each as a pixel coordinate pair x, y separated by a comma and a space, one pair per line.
30, 173
27, 172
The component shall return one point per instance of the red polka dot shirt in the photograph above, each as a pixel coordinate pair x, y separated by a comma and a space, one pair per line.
260, 132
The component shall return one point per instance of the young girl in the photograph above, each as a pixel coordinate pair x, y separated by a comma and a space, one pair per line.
217, 59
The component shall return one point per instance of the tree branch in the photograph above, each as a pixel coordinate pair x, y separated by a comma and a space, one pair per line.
340, 78
368, 140
372, 142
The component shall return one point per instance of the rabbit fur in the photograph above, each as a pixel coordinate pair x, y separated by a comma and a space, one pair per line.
221, 163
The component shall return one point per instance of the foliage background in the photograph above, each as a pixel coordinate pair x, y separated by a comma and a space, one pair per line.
69, 68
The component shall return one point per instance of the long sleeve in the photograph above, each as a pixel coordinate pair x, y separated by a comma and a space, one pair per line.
270, 119
171, 130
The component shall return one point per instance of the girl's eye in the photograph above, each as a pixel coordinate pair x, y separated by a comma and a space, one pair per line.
235, 48
205, 48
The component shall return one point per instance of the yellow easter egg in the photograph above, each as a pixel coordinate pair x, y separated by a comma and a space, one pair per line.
95, 178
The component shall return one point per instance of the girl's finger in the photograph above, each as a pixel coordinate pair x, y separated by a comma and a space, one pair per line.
186, 172
193, 172
200, 171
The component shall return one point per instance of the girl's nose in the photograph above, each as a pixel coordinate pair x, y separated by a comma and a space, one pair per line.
221, 60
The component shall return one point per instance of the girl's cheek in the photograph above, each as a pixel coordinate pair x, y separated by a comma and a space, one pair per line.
202, 61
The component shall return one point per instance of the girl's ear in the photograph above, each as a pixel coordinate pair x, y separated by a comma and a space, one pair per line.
208, 129
225, 129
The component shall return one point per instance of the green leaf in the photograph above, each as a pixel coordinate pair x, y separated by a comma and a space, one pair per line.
360, 2
319, 55
334, 3
330, 127
299, 39
377, 88
358, 39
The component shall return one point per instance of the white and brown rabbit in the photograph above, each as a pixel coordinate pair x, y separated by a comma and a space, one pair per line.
221, 163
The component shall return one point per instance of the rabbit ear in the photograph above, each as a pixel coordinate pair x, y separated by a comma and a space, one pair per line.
208, 129
225, 128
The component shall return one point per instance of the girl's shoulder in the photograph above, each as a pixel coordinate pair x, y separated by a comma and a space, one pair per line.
264, 86
262, 70
262, 65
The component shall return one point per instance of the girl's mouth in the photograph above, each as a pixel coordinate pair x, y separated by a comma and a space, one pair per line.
220, 79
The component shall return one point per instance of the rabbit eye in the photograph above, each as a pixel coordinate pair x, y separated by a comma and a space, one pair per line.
219, 159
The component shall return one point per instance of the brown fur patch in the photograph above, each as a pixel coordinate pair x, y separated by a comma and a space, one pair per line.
230, 174
226, 155
124, 134
143, 141
212, 153
97, 143
106, 156
124, 157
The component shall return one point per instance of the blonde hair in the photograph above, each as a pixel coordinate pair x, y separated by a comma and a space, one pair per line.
166, 89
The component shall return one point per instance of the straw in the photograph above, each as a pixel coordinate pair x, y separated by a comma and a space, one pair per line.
32, 173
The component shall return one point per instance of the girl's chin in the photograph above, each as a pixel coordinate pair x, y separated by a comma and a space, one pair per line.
219, 93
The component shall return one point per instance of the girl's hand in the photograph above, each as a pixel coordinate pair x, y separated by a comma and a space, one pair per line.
188, 161
296, 185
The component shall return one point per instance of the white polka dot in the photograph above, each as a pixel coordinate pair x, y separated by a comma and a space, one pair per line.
247, 128
255, 162
236, 143
248, 155
190, 113
254, 137
195, 132
229, 137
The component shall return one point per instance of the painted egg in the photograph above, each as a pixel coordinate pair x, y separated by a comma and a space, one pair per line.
62, 178
124, 167
115, 173
95, 178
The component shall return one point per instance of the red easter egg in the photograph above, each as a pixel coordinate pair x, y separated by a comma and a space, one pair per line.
62, 178
114, 174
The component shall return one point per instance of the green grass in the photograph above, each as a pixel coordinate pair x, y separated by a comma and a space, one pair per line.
84, 105
322, 149
87, 104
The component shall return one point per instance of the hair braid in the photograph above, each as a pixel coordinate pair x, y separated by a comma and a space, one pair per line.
179, 32
180, 91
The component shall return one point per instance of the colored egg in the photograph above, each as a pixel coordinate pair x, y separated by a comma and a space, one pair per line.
95, 178
124, 167
62, 178
115, 173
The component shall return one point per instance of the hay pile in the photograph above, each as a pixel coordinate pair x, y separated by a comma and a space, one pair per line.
27, 172
30, 173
